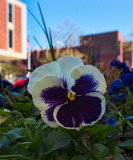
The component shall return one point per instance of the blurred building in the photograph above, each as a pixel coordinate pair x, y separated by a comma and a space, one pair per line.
13, 30
107, 47
104, 46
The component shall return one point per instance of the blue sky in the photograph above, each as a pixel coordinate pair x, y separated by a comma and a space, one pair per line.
90, 16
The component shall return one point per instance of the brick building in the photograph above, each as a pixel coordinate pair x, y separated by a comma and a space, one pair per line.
105, 46
13, 30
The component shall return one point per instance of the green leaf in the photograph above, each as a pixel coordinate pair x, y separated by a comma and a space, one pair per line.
4, 113
37, 149
80, 157
105, 130
118, 157
127, 144
130, 124
25, 108
51, 156
48, 35
38, 132
113, 147
30, 122
16, 133
100, 150
56, 140
5, 129
63, 156
17, 96
4, 141
24, 146
116, 150
12, 136
80, 148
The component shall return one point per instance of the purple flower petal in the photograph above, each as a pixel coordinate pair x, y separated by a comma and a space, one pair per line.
53, 96
85, 84
84, 110
49, 113
48, 118
92, 77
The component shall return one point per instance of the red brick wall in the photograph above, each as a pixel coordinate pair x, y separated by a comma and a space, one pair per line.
3, 25
105, 46
18, 43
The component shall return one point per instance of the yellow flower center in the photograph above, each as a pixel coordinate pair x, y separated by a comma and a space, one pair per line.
71, 95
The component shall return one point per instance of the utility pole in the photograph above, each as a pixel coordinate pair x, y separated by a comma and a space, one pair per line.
132, 54
28, 56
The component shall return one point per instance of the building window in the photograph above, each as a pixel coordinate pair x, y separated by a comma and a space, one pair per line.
10, 39
10, 13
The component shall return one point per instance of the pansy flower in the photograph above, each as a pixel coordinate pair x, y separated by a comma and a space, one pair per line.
125, 81
68, 93
120, 65
115, 87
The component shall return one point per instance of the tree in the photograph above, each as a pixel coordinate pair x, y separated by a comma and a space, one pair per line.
66, 33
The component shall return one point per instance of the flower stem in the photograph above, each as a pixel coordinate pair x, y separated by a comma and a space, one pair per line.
14, 156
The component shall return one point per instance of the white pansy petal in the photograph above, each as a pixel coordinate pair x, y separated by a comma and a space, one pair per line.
49, 69
51, 122
62, 68
67, 64
42, 85
88, 79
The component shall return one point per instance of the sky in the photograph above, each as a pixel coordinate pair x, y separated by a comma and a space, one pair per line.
89, 16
